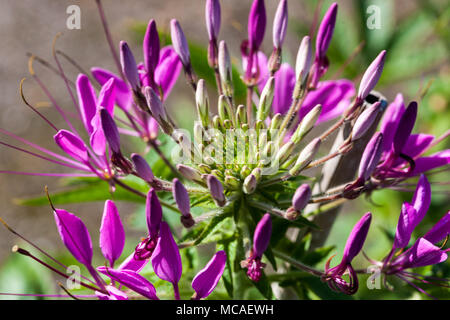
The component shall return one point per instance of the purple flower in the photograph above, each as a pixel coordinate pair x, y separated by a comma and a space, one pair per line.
87, 101
261, 239
110, 130
112, 234
353, 246
256, 25
206, 279
166, 260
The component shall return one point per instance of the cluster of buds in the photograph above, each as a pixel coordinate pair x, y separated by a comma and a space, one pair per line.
243, 162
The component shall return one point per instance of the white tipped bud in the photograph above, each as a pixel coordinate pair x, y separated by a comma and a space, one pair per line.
202, 102
189, 173
305, 157
250, 184
306, 124
265, 101
304, 61
225, 69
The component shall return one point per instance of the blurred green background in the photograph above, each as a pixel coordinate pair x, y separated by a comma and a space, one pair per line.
415, 34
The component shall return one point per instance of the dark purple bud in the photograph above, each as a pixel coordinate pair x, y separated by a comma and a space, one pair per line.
112, 234
129, 66
216, 190
371, 76
261, 237
365, 121
131, 280
181, 197
179, 43
371, 156
110, 130
166, 260
280, 24
405, 127
72, 145
256, 25
206, 280
74, 235
355, 240
151, 47
86, 100
440, 230
325, 32
142, 168
212, 15
153, 212
301, 197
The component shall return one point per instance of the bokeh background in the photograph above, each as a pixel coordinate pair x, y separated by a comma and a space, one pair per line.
415, 33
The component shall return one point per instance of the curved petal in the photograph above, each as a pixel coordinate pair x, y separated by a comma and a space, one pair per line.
407, 221
424, 253
112, 234
168, 70
206, 280
124, 96
391, 118
284, 87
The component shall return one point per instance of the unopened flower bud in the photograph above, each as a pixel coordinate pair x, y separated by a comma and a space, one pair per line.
280, 24
371, 156
265, 101
212, 17
202, 102
250, 184
371, 76
225, 69
180, 44
142, 168
189, 173
256, 25
306, 124
305, 157
181, 197
301, 197
129, 66
110, 130
241, 114
151, 47
231, 182
275, 122
285, 151
365, 121
216, 190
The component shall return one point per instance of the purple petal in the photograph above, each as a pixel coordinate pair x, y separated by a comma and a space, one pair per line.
168, 70
206, 280
131, 280
107, 96
216, 190
166, 258
74, 235
357, 237
133, 264
417, 144
424, 253
256, 24
365, 120
261, 237
334, 96
181, 197
151, 47
72, 145
440, 230
391, 119
124, 96
436, 160
405, 127
87, 101
407, 222
114, 294
325, 32
97, 138
422, 197
284, 87
153, 213
112, 234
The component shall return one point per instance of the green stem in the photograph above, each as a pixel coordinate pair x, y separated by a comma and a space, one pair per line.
297, 264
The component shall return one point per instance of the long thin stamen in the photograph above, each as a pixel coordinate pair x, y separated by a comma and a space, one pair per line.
28, 254
33, 108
